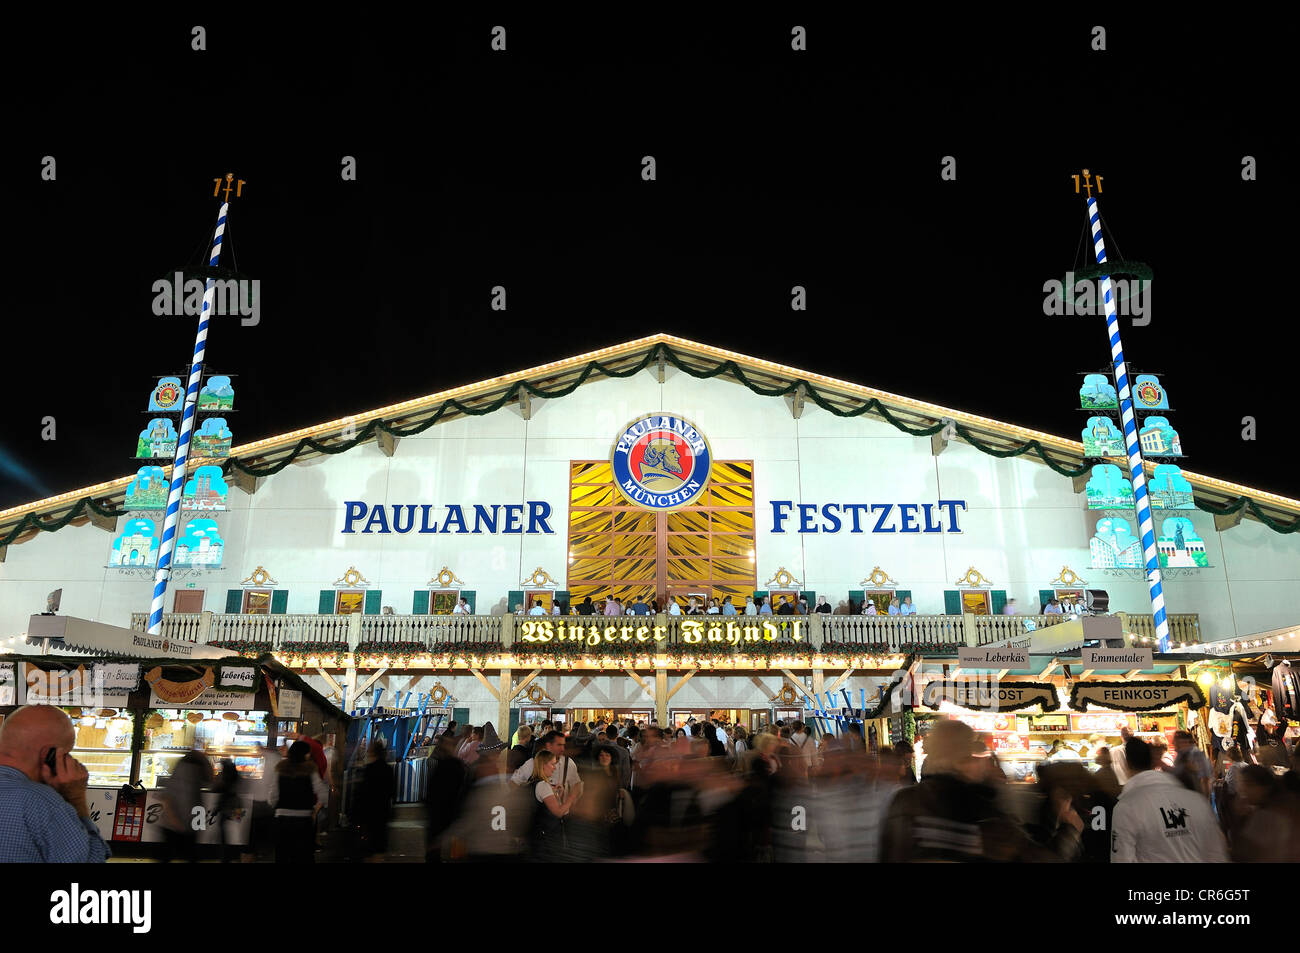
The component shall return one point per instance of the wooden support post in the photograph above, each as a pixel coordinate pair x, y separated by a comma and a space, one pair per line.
525, 404
1081, 481
1084, 675
840, 680
387, 442
518, 689
350, 693
661, 366
374, 677
1227, 521
503, 706
798, 685
4, 551
937, 444
330, 678
1051, 667
972, 633
661, 697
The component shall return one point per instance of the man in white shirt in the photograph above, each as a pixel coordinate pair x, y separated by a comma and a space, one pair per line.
674, 608
564, 776
750, 608
462, 607
538, 608
1158, 820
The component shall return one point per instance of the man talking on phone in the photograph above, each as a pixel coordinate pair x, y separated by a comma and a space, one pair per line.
44, 817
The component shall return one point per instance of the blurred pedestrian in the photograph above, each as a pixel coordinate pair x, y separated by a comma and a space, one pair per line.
375, 802
1158, 820
298, 792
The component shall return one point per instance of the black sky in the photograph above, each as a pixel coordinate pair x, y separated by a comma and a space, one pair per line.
522, 169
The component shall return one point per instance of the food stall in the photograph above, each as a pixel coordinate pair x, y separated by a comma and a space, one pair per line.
1059, 707
136, 718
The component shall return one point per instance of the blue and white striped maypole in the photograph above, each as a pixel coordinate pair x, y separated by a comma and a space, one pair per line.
187, 428
1137, 475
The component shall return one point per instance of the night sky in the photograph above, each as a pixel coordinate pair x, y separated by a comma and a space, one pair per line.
775, 168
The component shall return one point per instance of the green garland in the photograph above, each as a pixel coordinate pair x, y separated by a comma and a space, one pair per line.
398, 652
666, 353
330, 653
245, 647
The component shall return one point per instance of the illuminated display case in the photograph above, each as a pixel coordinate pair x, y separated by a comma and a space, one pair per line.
176, 731
103, 744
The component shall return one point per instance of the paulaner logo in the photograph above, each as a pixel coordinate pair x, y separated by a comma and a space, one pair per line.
76, 906
661, 462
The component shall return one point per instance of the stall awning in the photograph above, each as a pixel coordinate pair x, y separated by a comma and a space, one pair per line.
97, 638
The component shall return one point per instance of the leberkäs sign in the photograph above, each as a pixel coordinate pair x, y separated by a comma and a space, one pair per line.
508, 518
940, 517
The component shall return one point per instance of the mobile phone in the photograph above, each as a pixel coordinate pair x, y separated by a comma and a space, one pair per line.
52, 759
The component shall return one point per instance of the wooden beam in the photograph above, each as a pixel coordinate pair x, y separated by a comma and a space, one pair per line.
515, 692
798, 686
659, 371
1081, 481
937, 444
796, 401
840, 681
486, 684
361, 689
685, 678
661, 697
1131, 673
4, 551
338, 689
1002, 673
1083, 677
525, 404
640, 681
1227, 521
1051, 667
386, 441
107, 523
245, 481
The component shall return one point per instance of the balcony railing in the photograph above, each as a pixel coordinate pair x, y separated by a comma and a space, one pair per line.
893, 633
876, 634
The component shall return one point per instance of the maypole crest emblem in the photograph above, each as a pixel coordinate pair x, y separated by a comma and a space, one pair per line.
1087, 186
237, 188
661, 462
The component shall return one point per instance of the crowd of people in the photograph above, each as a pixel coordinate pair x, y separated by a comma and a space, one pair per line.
709, 791
712, 791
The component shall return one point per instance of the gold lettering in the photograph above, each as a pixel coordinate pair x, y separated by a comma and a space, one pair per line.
769, 631
715, 633
733, 633
797, 636
692, 632
594, 638
752, 633
627, 633
641, 635
661, 633
611, 633
530, 631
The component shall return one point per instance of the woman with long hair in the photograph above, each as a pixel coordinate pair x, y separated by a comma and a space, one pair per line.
548, 825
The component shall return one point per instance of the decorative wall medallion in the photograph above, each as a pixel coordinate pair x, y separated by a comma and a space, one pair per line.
784, 579
879, 579
258, 579
1068, 577
351, 580
540, 579
974, 578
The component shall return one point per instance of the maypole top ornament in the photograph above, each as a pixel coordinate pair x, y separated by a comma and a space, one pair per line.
1087, 186
238, 187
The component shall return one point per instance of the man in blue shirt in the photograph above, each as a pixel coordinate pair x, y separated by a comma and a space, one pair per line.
728, 607
908, 608
44, 817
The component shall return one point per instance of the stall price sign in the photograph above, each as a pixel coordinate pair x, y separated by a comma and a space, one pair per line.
8, 683
103, 808
290, 703
1103, 723
128, 820
1009, 743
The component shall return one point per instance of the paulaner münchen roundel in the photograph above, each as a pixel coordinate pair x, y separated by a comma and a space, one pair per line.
661, 462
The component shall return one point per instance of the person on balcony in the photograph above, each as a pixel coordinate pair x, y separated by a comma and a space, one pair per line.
894, 608
869, 608
764, 608
674, 608
823, 606
1009, 608
461, 608
907, 607
538, 608
786, 607
1053, 608
728, 607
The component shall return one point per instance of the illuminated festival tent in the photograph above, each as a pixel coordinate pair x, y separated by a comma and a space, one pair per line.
660, 469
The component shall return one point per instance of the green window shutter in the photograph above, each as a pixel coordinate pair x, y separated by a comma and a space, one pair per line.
856, 598
1044, 597
374, 598
514, 600
420, 605
468, 595
562, 599
951, 602
326, 605
279, 601
234, 601
759, 594
514, 725
810, 598
904, 594
999, 601
460, 716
